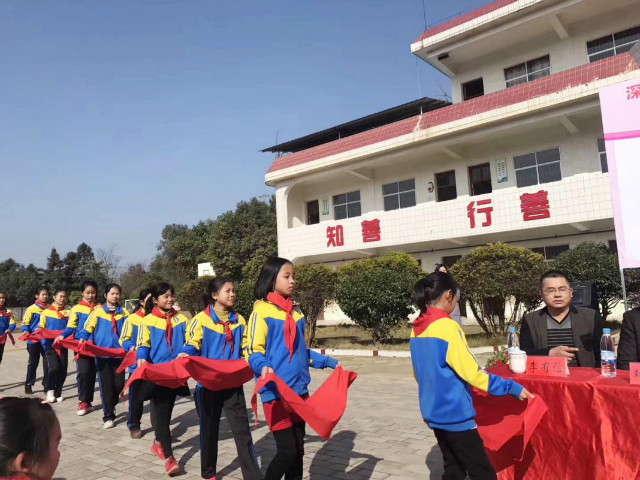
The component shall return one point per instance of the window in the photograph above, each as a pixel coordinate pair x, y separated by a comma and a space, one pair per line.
480, 179
602, 152
527, 71
446, 186
472, 89
539, 167
313, 212
549, 253
399, 195
613, 44
451, 260
346, 205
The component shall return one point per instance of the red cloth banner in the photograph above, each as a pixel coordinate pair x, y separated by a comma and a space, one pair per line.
211, 374
588, 431
322, 410
4, 336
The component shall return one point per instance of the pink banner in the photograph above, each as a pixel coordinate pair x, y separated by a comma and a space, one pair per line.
620, 106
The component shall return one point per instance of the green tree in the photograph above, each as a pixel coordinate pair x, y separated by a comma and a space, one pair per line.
19, 283
632, 283
376, 292
496, 276
594, 262
192, 293
54, 274
133, 280
242, 240
316, 287
244, 298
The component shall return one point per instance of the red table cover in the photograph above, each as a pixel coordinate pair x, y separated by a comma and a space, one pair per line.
322, 410
589, 431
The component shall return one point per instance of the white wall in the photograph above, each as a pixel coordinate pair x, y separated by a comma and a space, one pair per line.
564, 54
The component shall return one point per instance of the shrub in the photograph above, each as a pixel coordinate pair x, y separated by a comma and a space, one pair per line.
315, 288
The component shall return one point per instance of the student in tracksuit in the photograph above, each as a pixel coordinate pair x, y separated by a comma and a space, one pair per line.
105, 324
446, 370
85, 365
7, 322
140, 389
276, 344
219, 333
161, 336
30, 322
55, 317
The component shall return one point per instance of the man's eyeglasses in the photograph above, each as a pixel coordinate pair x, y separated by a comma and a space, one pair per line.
551, 291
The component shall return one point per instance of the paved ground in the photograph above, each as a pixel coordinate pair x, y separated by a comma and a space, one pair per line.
381, 435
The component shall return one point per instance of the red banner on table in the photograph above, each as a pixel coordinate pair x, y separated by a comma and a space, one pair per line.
634, 373
323, 409
547, 366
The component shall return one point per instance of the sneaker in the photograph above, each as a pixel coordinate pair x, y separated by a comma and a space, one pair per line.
60, 399
156, 449
171, 466
109, 424
89, 407
28, 390
135, 433
51, 397
82, 409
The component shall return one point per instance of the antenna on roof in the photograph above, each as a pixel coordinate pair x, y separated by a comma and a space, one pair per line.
419, 87
424, 13
444, 92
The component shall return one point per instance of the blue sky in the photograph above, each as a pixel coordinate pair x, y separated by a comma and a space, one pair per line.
119, 117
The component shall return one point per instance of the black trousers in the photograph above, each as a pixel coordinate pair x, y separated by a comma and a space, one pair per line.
139, 391
111, 384
289, 454
35, 352
58, 366
210, 405
1, 352
86, 378
463, 454
162, 402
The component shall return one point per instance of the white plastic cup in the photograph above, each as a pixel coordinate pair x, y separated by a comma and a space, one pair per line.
518, 362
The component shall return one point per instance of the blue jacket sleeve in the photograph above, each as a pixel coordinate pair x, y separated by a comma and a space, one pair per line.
500, 387
319, 361
189, 350
68, 332
12, 327
83, 335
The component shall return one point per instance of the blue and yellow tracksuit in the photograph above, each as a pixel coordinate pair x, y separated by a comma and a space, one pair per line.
446, 370
129, 335
31, 318
7, 322
79, 316
208, 337
99, 324
53, 318
266, 348
152, 345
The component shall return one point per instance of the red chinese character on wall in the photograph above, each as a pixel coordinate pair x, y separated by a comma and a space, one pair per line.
335, 236
371, 230
633, 92
535, 206
486, 210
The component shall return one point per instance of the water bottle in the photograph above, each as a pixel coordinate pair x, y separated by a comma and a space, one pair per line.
513, 343
607, 354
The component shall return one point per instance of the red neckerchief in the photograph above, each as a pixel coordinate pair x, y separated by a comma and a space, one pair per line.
227, 327
424, 320
290, 324
168, 333
4, 312
43, 306
58, 311
140, 312
114, 322
84, 303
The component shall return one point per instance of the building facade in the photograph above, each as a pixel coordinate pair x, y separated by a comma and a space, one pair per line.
518, 156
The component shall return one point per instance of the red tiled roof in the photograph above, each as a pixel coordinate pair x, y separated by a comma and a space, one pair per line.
467, 17
590, 72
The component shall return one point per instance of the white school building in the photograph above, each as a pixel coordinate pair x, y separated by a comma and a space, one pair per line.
517, 157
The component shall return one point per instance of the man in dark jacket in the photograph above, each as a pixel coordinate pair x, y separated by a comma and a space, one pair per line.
629, 346
561, 329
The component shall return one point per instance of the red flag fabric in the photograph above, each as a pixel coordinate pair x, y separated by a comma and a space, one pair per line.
513, 420
90, 349
43, 334
212, 374
4, 336
322, 410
